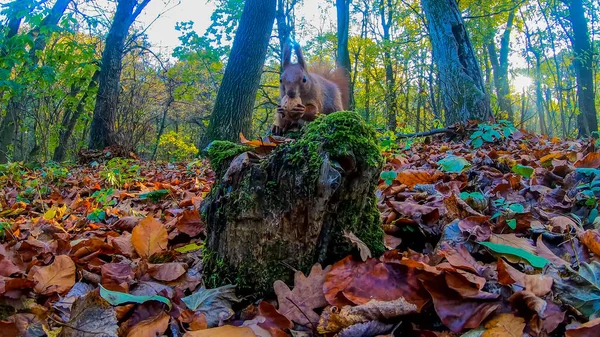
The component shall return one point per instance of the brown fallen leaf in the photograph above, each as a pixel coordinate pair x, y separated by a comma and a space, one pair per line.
591, 160
544, 251
223, 331
365, 252
91, 316
58, 277
149, 237
298, 305
334, 319
190, 223
589, 329
275, 323
504, 325
591, 239
543, 316
539, 285
152, 327
411, 178
167, 271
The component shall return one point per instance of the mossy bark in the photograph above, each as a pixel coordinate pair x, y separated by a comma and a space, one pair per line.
288, 210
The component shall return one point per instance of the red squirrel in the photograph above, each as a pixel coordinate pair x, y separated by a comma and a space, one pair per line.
306, 93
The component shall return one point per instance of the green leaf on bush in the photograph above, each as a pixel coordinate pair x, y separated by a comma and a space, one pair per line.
534, 260
453, 164
517, 208
512, 223
477, 142
525, 171
119, 298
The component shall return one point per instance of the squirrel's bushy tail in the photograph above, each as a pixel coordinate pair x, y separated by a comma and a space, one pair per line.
337, 76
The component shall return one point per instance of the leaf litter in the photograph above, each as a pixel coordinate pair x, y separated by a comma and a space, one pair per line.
485, 237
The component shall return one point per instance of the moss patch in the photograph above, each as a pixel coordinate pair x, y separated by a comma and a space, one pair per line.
219, 151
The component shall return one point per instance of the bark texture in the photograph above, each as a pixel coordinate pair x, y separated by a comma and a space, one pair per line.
291, 208
232, 113
107, 99
463, 89
587, 120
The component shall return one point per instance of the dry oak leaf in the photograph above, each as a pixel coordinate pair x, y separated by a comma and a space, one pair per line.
334, 319
149, 237
589, 329
152, 327
504, 325
591, 239
307, 295
365, 252
58, 277
223, 331
539, 285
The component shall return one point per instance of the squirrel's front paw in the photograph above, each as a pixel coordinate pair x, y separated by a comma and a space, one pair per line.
297, 112
276, 130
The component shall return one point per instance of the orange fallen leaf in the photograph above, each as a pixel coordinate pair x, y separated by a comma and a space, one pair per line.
149, 237
589, 329
591, 239
591, 160
504, 325
154, 326
223, 331
58, 277
539, 285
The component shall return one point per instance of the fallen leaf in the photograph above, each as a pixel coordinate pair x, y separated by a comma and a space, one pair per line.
365, 252
534, 260
591, 160
298, 305
167, 271
589, 329
118, 298
275, 323
591, 239
149, 237
544, 251
539, 285
152, 327
504, 325
373, 328
411, 178
215, 304
334, 319
58, 277
223, 331
580, 290
91, 316
190, 223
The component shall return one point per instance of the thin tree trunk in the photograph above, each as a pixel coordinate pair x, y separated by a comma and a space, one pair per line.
343, 53
587, 121
500, 67
386, 12
463, 90
16, 103
232, 113
71, 117
161, 127
102, 128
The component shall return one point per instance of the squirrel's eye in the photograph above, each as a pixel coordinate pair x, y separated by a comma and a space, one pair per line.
304, 79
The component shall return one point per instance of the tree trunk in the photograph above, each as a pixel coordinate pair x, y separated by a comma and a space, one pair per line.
71, 117
500, 67
587, 121
463, 89
290, 209
16, 103
232, 113
343, 53
386, 13
161, 127
102, 128
284, 25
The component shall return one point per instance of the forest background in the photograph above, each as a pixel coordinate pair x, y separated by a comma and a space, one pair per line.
539, 61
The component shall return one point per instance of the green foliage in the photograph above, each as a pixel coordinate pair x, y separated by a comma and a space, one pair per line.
118, 298
175, 147
220, 151
119, 171
388, 176
525, 171
155, 196
492, 133
453, 164
534, 260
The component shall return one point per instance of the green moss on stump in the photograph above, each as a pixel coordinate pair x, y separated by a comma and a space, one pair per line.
289, 211
220, 151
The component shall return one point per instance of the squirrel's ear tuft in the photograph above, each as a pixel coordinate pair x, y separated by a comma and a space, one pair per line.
301, 60
287, 54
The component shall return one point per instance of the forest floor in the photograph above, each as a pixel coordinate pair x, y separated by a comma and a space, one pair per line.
497, 234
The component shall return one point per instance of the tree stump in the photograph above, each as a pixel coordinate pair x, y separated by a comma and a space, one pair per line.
268, 216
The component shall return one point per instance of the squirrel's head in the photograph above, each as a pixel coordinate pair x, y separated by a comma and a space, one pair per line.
295, 79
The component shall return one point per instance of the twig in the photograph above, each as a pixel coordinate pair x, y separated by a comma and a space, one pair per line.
426, 133
303, 314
